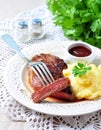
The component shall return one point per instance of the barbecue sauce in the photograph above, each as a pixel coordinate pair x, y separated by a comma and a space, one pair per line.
80, 51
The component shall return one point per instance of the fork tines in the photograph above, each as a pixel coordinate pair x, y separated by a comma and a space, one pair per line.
43, 73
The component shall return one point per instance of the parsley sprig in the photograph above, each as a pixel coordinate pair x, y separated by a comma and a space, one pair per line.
80, 69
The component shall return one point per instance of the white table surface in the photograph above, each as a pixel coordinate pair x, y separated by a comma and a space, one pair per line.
9, 9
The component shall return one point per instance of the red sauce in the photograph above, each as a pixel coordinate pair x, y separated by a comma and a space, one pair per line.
80, 51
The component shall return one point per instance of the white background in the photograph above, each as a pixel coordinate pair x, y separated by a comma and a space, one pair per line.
10, 8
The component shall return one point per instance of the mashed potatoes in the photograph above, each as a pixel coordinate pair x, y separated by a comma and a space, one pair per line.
87, 86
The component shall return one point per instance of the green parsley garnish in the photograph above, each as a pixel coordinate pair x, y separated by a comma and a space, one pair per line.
80, 69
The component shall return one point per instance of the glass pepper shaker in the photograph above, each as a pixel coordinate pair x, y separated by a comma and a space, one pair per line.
22, 31
36, 29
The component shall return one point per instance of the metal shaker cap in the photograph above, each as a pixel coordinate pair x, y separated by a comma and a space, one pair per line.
22, 24
37, 21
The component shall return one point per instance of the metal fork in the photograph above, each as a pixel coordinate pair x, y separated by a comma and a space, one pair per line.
39, 68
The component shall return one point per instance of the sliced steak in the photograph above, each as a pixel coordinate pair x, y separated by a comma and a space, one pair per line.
56, 86
64, 96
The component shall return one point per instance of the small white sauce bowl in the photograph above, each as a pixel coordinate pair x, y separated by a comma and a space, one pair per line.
69, 58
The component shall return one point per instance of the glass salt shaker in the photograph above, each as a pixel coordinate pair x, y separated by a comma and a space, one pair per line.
22, 31
36, 29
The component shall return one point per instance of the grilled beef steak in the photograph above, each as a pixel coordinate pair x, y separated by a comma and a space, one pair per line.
50, 89
55, 65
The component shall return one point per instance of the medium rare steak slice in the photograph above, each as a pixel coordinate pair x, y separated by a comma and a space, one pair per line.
56, 86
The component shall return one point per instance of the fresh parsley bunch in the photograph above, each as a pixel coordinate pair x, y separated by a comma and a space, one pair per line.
79, 19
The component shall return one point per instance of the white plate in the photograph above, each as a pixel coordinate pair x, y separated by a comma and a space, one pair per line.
14, 77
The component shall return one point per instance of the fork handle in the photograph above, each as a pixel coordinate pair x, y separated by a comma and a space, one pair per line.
10, 42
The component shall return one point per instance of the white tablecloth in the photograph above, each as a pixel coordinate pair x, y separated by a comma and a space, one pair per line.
16, 111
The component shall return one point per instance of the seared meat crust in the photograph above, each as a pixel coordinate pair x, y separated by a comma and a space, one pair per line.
54, 63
